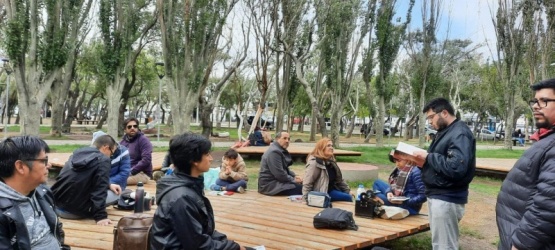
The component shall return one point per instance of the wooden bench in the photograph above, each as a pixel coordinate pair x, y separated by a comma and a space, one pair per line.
57, 160
93, 122
297, 151
272, 221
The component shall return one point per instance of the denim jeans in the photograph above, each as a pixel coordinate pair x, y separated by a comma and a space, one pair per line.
337, 195
382, 187
231, 186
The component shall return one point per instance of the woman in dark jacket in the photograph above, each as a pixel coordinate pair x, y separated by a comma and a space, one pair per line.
184, 218
405, 181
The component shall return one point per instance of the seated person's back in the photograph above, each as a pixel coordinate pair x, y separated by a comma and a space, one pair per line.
80, 189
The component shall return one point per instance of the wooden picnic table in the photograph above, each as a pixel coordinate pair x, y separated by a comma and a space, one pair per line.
252, 219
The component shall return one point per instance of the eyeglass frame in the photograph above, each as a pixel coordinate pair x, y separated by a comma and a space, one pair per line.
44, 160
538, 101
430, 117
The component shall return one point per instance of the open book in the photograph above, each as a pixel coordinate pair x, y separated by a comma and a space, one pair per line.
406, 152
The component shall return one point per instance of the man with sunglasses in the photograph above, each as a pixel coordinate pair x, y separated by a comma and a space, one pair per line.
27, 217
140, 151
448, 169
80, 188
525, 209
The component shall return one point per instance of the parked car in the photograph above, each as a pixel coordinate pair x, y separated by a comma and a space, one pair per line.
264, 124
484, 134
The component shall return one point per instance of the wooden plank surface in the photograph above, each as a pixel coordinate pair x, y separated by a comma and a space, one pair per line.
253, 219
294, 150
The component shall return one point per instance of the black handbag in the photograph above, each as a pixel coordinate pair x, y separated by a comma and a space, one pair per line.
335, 218
367, 206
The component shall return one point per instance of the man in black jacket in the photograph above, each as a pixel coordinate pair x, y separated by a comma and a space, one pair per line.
525, 209
185, 218
27, 220
449, 168
80, 189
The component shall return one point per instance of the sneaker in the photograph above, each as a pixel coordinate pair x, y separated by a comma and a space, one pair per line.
215, 187
241, 190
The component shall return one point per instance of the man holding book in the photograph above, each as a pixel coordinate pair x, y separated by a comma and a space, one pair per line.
448, 169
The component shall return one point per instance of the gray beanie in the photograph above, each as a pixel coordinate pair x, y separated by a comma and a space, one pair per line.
96, 135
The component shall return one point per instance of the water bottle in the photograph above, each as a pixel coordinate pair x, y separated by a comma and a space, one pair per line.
360, 190
139, 198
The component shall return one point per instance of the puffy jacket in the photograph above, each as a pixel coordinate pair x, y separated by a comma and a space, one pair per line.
238, 171
451, 161
184, 218
13, 231
525, 209
414, 189
275, 175
82, 184
316, 177
140, 151
121, 167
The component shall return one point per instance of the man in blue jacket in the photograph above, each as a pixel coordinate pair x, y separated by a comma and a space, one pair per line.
121, 167
525, 209
140, 151
80, 189
449, 168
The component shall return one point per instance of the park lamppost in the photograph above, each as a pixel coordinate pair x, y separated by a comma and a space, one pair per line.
160, 71
6, 66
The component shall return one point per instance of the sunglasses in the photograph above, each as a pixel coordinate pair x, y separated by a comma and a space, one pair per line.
132, 126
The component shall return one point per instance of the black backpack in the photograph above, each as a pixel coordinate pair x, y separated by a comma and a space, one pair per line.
335, 218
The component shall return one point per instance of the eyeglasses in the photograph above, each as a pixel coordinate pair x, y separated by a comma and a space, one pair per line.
542, 102
44, 161
132, 126
112, 152
430, 117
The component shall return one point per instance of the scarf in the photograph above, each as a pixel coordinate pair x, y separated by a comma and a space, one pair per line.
398, 179
541, 133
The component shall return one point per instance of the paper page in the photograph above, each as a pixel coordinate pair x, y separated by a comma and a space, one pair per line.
406, 152
407, 148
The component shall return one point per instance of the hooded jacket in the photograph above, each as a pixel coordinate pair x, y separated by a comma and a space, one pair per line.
525, 209
140, 151
184, 218
238, 171
121, 163
316, 177
275, 175
82, 184
19, 226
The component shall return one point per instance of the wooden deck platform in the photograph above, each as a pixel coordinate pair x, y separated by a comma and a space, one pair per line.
252, 219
